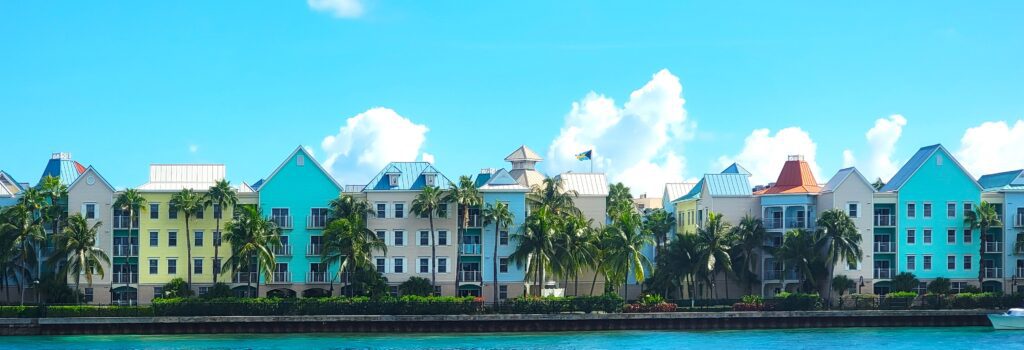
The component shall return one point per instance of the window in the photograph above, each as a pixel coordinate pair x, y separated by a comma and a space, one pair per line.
393, 180
927, 210
927, 262
853, 209
503, 265
927, 236
199, 213
172, 266
158, 292
382, 210
399, 265
199, 239
382, 235
429, 179
217, 212
503, 238
968, 207
399, 210
380, 265
172, 239
154, 238
951, 210
154, 211
911, 210
88, 295
172, 212
442, 210
154, 266
911, 262
968, 262
424, 237
957, 287
442, 265
318, 217
424, 265
911, 236
90, 210
197, 266
399, 238
281, 217
502, 292
203, 291
951, 262
442, 237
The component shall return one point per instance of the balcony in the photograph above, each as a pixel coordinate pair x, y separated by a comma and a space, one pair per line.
993, 247
885, 247
245, 277
885, 220
475, 220
282, 221
283, 250
1018, 220
125, 278
281, 278
470, 276
316, 222
796, 223
884, 274
773, 275
124, 250
313, 249
316, 277
1020, 273
121, 222
772, 223
993, 272
472, 249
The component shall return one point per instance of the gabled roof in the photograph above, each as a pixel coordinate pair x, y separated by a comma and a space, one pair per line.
795, 178
245, 188
523, 153
585, 184
1005, 181
256, 185
728, 185
309, 157
85, 175
694, 192
676, 190
9, 184
735, 168
176, 177
910, 168
61, 165
840, 177
411, 177
500, 180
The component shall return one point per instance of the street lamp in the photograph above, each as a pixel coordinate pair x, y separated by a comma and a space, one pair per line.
860, 284
35, 285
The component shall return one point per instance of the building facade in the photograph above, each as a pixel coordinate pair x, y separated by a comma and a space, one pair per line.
91, 196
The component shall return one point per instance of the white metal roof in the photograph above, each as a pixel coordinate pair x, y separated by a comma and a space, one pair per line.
175, 177
675, 190
585, 184
523, 153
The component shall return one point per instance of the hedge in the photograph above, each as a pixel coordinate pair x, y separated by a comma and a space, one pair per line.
406, 305
552, 305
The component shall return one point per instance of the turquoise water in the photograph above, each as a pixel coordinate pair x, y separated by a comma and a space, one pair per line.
853, 338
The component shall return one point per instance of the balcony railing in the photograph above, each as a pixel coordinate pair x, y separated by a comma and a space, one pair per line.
316, 277
474, 220
1020, 273
1018, 220
284, 222
316, 222
885, 247
283, 250
772, 223
796, 223
313, 249
121, 222
772, 274
472, 249
471, 276
245, 277
884, 274
885, 220
993, 272
124, 250
125, 278
993, 247
281, 277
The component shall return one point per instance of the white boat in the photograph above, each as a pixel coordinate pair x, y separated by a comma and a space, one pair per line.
1013, 319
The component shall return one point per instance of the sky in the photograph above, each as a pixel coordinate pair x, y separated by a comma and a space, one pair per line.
661, 91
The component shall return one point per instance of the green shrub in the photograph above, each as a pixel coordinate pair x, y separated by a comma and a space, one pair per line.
901, 295
752, 299
407, 305
651, 299
610, 302
220, 290
863, 301
905, 282
416, 286
176, 288
939, 286
98, 311
19, 311
794, 302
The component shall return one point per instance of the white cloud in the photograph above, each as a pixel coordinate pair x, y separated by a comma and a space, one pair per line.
632, 144
992, 147
309, 150
764, 154
427, 157
881, 140
193, 148
338, 8
369, 141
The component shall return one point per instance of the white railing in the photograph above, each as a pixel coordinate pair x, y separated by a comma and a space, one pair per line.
283, 250
313, 249
885, 220
772, 224
316, 277
121, 222
796, 223
993, 247
883, 274
1020, 273
885, 247
123, 250
772, 274
125, 278
472, 249
993, 272
1018, 220
475, 220
281, 277
284, 222
471, 276
245, 277
316, 221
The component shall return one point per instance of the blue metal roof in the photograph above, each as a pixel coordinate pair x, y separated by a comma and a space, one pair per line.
1002, 181
410, 177
481, 179
735, 168
728, 184
910, 168
256, 185
694, 192
66, 169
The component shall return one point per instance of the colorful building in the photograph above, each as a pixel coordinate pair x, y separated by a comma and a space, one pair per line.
92, 196
1008, 189
790, 203
848, 190
9, 189
479, 251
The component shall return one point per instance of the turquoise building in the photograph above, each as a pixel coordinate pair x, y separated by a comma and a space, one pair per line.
1008, 187
496, 186
296, 197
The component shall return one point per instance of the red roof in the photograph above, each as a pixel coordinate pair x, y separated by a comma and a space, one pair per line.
795, 177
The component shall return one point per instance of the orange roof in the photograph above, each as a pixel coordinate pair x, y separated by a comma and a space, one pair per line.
795, 177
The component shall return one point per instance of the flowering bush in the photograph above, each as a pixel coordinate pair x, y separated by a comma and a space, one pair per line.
641, 308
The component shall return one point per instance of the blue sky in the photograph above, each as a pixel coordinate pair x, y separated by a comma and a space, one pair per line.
243, 83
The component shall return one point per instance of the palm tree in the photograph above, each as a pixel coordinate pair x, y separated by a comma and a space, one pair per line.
220, 195
713, 250
78, 251
983, 217
553, 195
626, 241
534, 244
24, 231
502, 218
52, 187
798, 251
464, 195
619, 199
253, 239
660, 223
189, 202
428, 203
747, 243
839, 239
842, 284
351, 245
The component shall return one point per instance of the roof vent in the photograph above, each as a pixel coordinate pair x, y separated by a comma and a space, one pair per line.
487, 171
796, 157
61, 156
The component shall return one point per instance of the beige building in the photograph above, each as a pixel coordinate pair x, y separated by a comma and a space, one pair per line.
92, 197
851, 192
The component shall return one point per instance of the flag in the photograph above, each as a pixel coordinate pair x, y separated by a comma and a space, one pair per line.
585, 155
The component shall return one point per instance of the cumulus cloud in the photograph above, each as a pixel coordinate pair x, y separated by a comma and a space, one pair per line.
881, 142
633, 143
764, 154
338, 8
992, 147
427, 157
369, 141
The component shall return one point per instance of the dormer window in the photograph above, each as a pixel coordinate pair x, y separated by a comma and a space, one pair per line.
429, 179
393, 180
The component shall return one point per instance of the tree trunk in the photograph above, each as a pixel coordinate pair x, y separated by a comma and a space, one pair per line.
188, 249
981, 256
78, 277
594, 283
216, 247
433, 255
494, 259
